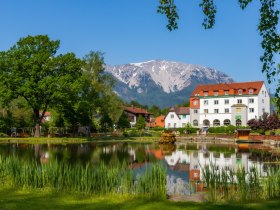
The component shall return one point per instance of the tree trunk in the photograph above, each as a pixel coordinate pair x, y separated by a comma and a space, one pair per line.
37, 121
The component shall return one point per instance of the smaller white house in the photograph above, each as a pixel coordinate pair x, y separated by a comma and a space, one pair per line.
177, 117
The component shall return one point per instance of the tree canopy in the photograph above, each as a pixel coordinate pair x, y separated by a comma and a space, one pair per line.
31, 69
140, 123
267, 28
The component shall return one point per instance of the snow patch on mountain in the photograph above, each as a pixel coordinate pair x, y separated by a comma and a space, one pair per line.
169, 75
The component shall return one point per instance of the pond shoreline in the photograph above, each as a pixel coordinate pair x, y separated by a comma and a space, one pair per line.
179, 139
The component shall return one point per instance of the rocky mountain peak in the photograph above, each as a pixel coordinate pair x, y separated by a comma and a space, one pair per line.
167, 77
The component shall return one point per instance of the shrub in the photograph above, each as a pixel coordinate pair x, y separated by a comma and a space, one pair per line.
222, 129
125, 134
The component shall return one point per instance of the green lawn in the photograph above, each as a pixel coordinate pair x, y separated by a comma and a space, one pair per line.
58, 140
46, 199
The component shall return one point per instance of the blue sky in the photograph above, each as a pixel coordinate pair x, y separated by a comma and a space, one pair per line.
132, 31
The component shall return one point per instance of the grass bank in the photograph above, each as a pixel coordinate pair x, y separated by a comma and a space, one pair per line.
11, 199
64, 140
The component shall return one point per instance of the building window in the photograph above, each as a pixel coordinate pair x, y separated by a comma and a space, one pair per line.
263, 110
251, 100
216, 122
205, 102
169, 125
226, 122
263, 101
183, 125
238, 110
226, 110
195, 123
172, 116
216, 102
239, 101
226, 101
226, 92
206, 123
195, 111
239, 92
205, 93
264, 93
251, 91
205, 111
184, 116
251, 110
195, 102
215, 93
216, 111
174, 125
238, 122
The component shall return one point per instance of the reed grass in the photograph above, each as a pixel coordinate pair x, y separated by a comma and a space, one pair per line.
228, 185
93, 179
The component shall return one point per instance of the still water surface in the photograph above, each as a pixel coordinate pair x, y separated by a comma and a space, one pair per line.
184, 162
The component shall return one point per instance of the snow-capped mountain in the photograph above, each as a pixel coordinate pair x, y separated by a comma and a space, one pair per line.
160, 82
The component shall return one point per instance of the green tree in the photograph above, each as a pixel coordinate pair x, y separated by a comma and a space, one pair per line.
155, 110
106, 122
123, 122
31, 69
137, 104
99, 95
140, 123
267, 28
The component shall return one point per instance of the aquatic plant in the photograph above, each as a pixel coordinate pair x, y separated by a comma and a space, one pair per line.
227, 184
89, 178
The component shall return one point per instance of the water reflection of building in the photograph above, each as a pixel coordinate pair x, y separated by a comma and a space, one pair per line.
197, 160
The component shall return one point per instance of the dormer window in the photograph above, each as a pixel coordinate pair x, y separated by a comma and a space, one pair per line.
215, 93
240, 92
195, 102
205, 93
226, 92
251, 91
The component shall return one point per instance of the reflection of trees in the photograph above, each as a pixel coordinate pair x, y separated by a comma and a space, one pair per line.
95, 154
140, 154
167, 149
122, 153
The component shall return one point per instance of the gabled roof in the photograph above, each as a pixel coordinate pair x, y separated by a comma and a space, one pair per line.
136, 110
180, 110
245, 86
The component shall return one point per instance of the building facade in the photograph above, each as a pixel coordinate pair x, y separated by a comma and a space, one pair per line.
228, 104
177, 117
134, 112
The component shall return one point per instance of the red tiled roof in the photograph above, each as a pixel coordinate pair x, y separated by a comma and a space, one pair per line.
136, 110
180, 110
245, 86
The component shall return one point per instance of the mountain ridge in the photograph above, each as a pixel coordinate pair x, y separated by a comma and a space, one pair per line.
161, 82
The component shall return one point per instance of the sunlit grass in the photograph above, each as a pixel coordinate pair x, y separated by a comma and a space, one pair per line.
13, 199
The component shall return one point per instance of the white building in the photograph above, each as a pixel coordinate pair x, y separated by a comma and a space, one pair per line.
177, 117
228, 104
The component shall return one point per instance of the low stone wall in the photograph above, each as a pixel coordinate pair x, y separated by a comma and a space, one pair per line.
264, 137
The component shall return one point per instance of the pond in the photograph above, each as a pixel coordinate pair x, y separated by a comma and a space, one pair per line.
183, 162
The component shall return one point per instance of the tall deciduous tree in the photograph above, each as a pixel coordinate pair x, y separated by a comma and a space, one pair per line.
31, 69
100, 95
